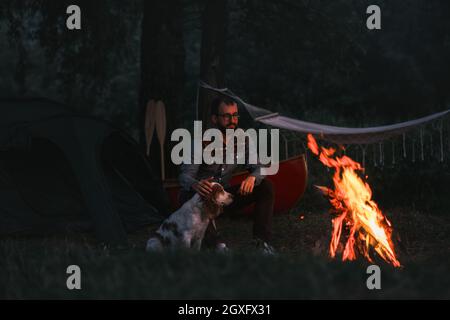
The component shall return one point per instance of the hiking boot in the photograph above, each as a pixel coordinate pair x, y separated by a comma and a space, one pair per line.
263, 247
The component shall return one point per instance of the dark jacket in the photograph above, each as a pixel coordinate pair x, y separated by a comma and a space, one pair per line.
222, 173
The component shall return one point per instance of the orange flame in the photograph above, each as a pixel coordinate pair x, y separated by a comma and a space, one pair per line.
352, 201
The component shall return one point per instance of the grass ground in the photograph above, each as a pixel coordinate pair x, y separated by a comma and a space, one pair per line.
36, 268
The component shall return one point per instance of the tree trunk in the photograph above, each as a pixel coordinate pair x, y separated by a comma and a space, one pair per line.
162, 71
212, 69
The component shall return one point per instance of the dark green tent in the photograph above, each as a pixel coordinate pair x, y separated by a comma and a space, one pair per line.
62, 172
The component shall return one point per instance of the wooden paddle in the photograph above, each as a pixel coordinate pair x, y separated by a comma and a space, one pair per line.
160, 117
150, 121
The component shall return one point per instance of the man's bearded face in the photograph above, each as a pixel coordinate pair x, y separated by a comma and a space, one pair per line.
228, 117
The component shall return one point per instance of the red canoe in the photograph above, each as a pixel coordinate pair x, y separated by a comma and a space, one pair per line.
289, 184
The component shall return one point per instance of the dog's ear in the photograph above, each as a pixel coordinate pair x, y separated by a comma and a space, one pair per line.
211, 206
216, 190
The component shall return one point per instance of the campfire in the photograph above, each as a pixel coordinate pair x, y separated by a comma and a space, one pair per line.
354, 210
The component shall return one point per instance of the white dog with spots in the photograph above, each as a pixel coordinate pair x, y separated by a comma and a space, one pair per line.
186, 227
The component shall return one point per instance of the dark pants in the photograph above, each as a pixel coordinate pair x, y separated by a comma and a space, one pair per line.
263, 198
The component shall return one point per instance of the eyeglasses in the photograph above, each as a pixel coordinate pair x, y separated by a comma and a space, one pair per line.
228, 116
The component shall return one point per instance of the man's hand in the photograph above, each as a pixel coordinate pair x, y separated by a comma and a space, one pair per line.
247, 185
203, 187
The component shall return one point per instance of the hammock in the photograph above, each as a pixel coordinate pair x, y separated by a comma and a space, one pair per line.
339, 135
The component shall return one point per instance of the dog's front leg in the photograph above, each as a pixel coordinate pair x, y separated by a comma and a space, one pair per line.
200, 235
197, 243
186, 240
